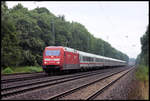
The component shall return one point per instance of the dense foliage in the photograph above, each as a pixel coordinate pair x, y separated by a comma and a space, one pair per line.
143, 57
142, 62
25, 33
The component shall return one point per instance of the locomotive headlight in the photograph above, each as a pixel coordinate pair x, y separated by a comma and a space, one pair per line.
46, 59
56, 59
57, 62
45, 62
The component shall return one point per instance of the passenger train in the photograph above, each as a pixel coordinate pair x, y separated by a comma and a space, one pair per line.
64, 58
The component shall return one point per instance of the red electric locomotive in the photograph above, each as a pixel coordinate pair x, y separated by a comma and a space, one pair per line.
60, 58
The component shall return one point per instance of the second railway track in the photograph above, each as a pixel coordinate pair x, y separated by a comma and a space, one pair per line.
21, 77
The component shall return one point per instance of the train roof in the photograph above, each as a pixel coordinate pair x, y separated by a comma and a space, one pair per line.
54, 47
86, 54
98, 56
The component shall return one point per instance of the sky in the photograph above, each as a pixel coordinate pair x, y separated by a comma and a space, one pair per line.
119, 23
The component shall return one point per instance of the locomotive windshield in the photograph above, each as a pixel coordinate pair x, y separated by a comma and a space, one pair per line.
52, 52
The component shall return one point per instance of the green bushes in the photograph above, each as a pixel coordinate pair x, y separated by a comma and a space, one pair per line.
35, 69
142, 73
7, 70
26, 69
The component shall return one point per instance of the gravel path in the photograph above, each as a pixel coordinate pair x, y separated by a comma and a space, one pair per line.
119, 90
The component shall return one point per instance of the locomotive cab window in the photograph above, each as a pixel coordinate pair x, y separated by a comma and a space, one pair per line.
52, 53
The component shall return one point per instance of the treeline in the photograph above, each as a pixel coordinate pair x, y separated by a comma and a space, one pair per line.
143, 57
25, 33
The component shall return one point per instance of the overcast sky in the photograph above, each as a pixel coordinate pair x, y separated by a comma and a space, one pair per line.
119, 23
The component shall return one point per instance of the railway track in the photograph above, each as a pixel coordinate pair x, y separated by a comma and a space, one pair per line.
33, 81
20, 77
19, 73
22, 90
102, 83
37, 81
14, 90
111, 80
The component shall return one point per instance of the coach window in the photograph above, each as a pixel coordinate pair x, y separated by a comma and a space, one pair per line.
84, 58
96, 59
92, 59
87, 58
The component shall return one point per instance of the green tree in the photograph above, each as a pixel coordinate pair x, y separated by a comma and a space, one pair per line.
143, 58
10, 50
25, 34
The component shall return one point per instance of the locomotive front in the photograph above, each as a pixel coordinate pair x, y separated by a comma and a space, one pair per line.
52, 59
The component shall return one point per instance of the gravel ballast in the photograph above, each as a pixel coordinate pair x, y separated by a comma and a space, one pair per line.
47, 92
120, 89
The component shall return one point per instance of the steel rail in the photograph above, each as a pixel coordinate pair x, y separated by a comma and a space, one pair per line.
56, 97
107, 86
45, 85
22, 78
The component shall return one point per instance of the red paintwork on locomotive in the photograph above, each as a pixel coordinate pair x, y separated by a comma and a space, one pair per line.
66, 58
71, 58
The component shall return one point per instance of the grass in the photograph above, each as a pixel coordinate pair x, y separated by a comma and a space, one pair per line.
25, 69
140, 87
142, 73
139, 90
7, 70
